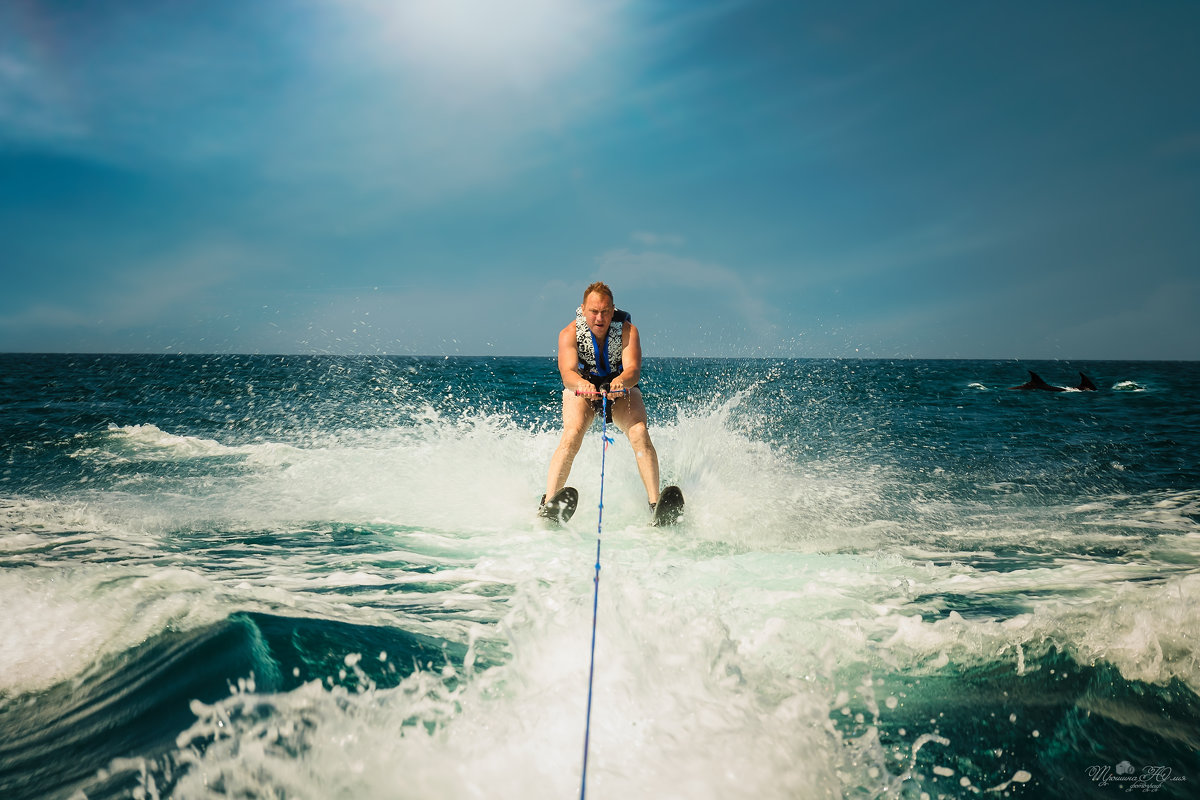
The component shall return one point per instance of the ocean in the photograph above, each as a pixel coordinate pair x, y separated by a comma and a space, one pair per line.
247, 576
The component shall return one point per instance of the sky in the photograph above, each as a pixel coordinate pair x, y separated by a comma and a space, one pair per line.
927, 179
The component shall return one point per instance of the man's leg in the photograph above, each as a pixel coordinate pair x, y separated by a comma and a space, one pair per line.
577, 416
630, 415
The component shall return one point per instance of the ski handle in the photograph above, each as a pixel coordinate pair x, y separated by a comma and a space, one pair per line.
602, 394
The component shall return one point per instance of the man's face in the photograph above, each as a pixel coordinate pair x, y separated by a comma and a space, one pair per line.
598, 313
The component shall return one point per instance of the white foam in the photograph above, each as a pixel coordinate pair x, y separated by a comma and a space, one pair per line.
149, 442
722, 645
59, 621
670, 693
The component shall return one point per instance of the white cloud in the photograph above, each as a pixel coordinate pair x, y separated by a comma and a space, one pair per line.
167, 289
724, 291
936, 243
32, 106
658, 239
1163, 317
392, 106
45, 315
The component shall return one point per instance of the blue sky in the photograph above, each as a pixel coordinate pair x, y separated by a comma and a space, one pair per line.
876, 179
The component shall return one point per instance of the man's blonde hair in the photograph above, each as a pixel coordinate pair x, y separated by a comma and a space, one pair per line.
599, 288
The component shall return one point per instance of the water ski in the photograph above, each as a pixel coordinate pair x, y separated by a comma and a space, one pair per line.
669, 507
561, 507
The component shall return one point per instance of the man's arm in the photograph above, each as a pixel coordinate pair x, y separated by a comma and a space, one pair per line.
631, 359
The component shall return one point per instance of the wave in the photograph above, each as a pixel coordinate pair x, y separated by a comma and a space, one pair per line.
74, 735
812, 676
149, 443
477, 470
363, 612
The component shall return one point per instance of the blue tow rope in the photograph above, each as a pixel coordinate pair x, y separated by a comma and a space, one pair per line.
587, 730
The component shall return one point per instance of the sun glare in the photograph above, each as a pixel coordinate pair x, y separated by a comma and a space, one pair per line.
523, 43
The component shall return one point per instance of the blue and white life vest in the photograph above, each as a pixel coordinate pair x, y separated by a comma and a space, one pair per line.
609, 361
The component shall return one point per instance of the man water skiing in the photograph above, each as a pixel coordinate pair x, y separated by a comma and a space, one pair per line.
600, 352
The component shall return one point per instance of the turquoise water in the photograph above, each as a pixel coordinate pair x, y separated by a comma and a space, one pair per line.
315, 577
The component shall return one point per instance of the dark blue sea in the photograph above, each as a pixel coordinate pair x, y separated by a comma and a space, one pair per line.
321, 577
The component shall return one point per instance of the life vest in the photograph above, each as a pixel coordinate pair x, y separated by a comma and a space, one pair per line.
609, 361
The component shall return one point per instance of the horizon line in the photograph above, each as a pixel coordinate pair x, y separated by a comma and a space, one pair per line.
1058, 359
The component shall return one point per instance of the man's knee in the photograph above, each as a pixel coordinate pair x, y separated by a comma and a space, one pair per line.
573, 435
638, 435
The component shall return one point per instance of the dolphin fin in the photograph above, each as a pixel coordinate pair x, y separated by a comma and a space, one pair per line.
1035, 382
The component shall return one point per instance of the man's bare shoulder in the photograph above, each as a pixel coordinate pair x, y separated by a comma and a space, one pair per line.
566, 338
